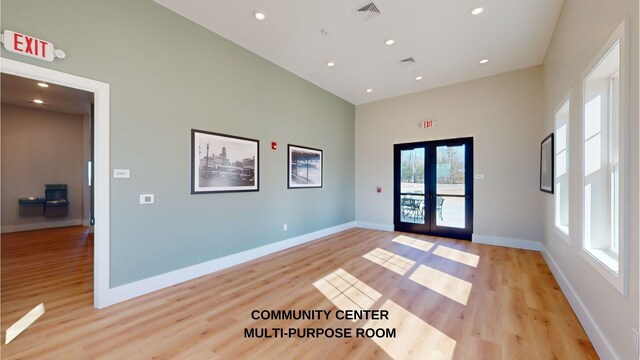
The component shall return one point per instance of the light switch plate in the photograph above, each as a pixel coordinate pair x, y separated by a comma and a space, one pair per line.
479, 176
121, 173
147, 199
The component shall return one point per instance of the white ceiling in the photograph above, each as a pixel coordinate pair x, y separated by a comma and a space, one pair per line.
445, 40
21, 92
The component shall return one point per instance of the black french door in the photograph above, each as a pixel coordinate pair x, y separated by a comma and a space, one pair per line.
433, 188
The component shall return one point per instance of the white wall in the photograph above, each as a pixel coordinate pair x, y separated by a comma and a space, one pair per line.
40, 147
582, 29
503, 113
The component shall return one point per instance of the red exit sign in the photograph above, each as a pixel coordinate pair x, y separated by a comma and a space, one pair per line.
28, 45
428, 124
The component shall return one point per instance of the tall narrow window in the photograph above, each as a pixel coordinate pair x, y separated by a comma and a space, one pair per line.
614, 165
562, 169
603, 167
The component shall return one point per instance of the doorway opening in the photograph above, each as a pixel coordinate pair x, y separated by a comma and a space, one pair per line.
47, 241
47, 143
100, 165
433, 188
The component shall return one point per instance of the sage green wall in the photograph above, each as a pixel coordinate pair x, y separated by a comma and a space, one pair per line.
169, 75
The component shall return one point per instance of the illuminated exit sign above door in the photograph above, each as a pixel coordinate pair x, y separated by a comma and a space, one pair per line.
30, 46
428, 124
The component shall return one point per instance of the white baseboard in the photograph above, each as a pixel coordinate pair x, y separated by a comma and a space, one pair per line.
39, 226
86, 222
145, 286
507, 242
374, 226
595, 334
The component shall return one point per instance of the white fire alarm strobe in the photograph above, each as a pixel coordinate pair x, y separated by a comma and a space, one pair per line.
427, 124
30, 46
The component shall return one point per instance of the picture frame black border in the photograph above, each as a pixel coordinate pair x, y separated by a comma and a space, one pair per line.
193, 158
551, 161
289, 146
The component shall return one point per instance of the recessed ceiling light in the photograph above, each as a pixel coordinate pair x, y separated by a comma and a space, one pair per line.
389, 42
484, 61
331, 64
369, 90
38, 101
44, 85
477, 11
259, 16
418, 78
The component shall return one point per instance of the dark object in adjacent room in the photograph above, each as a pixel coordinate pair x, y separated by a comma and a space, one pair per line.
56, 203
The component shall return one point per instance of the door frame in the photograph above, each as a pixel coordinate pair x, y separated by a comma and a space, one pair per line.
430, 171
101, 290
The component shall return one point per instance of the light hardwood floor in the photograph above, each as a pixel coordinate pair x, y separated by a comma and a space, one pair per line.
446, 299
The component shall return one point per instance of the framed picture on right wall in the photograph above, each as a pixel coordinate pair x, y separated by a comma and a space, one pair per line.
546, 164
304, 167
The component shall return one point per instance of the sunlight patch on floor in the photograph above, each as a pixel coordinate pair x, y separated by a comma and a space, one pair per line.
447, 285
415, 338
414, 243
346, 292
460, 256
21, 325
394, 262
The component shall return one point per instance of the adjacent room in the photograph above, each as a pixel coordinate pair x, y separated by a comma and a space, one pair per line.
338, 180
47, 240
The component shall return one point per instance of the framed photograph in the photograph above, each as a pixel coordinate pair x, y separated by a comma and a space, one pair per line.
546, 164
223, 163
304, 167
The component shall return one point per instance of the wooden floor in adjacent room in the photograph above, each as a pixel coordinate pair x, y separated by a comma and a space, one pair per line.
446, 299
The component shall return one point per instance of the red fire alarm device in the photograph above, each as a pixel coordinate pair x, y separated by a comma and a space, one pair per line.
379, 189
274, 145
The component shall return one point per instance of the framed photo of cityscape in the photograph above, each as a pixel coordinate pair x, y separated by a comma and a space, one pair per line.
304, 167
223, 163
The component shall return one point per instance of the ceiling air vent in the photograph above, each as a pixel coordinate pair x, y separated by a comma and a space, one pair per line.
408, 60
367, 12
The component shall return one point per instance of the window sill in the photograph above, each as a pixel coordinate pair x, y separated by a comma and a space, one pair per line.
606, 258
608, 265
563, 232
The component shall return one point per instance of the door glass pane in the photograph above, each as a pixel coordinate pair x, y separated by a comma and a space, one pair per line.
450, 170
412, 171
450, 211
412, 209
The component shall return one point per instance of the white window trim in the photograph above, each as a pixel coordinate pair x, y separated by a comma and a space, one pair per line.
600, 260
613, 164
564, 232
